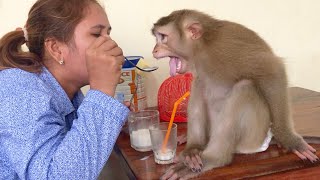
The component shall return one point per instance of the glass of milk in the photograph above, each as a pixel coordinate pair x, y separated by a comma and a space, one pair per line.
164, 153
139, 123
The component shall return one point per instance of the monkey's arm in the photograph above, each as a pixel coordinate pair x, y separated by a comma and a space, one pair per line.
197, 118
274, 89
197, 128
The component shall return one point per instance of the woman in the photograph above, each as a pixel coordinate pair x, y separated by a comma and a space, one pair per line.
48, 129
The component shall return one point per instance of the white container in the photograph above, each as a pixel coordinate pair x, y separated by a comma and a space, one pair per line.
132, 85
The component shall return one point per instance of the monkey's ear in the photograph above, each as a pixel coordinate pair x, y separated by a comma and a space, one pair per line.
194, 30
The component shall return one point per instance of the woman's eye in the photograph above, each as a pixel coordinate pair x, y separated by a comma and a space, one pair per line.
96, 35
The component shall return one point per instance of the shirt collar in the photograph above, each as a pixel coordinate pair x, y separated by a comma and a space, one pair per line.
65, 105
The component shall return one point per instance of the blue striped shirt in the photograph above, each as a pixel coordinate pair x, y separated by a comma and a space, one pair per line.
45, 135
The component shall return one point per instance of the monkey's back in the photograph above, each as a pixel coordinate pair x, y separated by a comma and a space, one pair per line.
241, 52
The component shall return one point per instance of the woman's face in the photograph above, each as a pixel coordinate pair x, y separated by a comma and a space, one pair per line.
92, 26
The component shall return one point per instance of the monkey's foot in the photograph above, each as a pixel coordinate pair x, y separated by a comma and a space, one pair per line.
179, 171
307, 154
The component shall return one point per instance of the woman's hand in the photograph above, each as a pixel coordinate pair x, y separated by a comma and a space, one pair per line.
129, 105
104, 60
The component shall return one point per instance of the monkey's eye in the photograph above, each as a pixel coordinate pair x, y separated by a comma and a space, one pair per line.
162, 38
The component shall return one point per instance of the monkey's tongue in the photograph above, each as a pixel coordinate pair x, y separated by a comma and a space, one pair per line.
173, 63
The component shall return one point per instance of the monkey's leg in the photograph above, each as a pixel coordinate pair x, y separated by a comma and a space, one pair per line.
241, 125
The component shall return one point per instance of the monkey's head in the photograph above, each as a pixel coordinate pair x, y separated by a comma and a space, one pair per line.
180, 37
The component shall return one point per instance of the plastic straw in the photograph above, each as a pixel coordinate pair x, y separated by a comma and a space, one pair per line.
175, 106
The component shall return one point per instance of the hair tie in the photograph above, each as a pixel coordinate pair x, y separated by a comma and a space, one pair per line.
25, 33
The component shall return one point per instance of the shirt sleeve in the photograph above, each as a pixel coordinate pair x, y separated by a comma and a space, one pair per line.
39, 145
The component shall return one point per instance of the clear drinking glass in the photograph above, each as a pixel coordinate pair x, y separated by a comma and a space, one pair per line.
163, 154
139, 123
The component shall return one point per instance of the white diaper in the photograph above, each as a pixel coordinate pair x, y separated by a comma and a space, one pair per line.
264, 145
266, 142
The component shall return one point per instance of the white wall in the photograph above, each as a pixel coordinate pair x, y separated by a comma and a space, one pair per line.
291, 27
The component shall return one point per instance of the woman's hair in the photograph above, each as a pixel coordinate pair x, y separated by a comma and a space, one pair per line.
47, 19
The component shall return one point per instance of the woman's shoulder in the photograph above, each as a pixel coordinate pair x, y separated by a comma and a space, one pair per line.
16, 74
15, 79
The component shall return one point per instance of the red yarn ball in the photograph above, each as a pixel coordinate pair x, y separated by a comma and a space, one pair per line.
169, 92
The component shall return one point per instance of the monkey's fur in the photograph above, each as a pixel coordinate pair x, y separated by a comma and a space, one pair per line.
238, 93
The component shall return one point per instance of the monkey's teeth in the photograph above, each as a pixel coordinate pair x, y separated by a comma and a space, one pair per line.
178, 65
173, 66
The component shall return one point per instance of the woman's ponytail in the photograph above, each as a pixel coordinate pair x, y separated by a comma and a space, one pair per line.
12, 55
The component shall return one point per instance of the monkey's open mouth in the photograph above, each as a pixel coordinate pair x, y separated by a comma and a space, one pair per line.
175, 65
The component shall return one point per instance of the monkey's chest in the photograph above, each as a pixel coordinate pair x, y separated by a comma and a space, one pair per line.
213, 90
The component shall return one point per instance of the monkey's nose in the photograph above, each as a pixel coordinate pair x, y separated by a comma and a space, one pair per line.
154, 51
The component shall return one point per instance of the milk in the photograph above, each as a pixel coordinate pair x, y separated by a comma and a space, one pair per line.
165, 157
140, 140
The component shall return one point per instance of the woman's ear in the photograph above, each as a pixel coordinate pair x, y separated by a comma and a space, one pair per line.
55, 49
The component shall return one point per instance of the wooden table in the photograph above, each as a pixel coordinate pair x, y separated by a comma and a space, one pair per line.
273, 163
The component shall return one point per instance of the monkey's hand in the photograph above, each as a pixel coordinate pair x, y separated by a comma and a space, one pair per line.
298, 146
191, 159
306, 153
179, 171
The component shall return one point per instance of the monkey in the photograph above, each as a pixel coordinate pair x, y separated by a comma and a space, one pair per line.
239, 91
